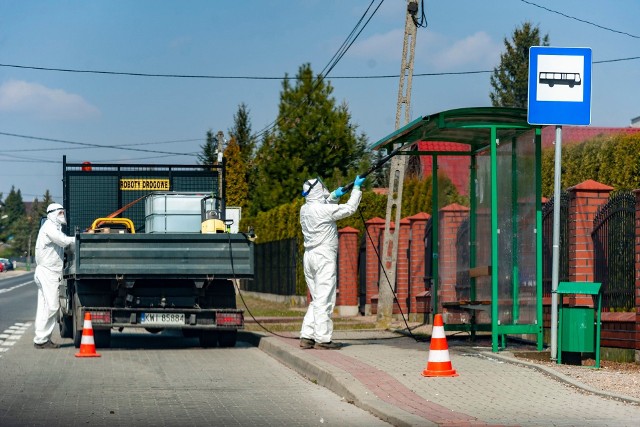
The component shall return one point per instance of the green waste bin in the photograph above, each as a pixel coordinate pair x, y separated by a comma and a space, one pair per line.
579, 328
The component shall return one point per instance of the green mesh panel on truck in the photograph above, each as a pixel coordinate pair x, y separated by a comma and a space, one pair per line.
95, 193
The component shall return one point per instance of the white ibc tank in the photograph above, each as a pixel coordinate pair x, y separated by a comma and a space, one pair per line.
174, 212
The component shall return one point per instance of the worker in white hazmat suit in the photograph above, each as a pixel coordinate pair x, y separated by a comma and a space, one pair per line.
318, 218
48, 275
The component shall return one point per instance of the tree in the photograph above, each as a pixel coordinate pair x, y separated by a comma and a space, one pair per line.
237, 186
241, 132
312, 137
209, 150
510, 80
12, 211
246, 142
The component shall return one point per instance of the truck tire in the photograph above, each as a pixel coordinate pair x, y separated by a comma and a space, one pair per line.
227, 339
66, 325
102, 338
208, 338
77, 321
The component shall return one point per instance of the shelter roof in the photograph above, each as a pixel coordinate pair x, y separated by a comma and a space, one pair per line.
463, 125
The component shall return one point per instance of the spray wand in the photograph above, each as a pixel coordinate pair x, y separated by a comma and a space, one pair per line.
374, 168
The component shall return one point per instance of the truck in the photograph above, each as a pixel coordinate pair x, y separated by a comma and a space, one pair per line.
146, 254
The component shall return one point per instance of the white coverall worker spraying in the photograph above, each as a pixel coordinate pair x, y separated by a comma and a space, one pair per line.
318, 218
48, 275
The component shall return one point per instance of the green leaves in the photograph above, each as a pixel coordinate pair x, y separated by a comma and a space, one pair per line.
511, 79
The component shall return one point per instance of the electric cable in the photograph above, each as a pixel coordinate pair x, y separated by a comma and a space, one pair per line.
330, 65
580, 20
86, 144
233, 274
395, 297
422, 23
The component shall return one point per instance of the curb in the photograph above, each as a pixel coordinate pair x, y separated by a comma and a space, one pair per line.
559, 376
335, 379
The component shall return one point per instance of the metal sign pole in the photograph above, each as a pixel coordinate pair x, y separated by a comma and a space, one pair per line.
556, 244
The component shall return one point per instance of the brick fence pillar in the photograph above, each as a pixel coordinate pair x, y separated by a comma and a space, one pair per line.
451, 217
347, 298
637, 276
419, 295
375, 230
402, 269
584, 201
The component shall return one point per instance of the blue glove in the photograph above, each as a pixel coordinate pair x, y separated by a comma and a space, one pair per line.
337, 193
358, 182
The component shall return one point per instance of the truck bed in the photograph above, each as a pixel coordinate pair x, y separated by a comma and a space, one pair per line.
179, 256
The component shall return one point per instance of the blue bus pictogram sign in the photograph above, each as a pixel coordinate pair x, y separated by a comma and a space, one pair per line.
559, 86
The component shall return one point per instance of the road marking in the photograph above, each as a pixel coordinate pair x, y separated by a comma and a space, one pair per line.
3, 291
11, 335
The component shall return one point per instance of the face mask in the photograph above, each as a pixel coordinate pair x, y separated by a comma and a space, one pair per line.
61, 218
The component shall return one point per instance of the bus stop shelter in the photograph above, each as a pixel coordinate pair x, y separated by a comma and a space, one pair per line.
494, 284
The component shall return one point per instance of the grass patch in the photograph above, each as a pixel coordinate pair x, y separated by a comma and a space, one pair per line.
264, 308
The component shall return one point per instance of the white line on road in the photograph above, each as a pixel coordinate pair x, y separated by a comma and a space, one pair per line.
3, 291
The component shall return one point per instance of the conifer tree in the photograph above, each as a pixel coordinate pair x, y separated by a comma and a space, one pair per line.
237, 186
313, 137
209, 150
510, 80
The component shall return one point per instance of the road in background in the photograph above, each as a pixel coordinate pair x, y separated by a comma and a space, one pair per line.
152, 379
18, 298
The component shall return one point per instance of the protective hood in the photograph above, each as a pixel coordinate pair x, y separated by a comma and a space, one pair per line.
315, 191
55, 213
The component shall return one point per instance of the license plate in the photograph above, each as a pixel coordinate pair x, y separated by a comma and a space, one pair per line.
162, 319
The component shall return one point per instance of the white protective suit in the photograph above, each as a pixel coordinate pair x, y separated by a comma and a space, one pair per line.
318, 218
48, 275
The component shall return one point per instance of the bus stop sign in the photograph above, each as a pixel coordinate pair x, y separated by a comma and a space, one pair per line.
559, 86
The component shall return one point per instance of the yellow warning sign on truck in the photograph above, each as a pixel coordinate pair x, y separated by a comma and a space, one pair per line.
144, 184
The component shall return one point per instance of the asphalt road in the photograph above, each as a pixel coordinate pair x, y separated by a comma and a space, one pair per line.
150, 380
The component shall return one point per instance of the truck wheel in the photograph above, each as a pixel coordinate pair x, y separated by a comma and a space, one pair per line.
227, 338
102, 338
77, 321
66, 325
208, 338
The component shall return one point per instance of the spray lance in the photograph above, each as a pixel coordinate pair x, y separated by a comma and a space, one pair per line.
374, 168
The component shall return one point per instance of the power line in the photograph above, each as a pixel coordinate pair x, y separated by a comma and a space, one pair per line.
86, 144
342, 50
379, 76
580, 20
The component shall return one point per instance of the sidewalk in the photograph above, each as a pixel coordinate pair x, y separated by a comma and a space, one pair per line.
381, 372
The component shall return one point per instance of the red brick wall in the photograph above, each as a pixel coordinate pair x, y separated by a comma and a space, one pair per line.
585, 199
418, 224
375, 229
348, 267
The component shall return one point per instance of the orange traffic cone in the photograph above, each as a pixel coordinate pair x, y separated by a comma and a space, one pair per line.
87, 345
439, 363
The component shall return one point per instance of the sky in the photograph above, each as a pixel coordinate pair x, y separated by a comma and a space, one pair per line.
46, 114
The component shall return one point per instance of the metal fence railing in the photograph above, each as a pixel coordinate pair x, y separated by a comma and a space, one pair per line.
613, 242
547, 243
275, 268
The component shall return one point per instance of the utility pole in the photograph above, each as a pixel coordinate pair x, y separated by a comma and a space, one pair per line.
387, 276
220, 200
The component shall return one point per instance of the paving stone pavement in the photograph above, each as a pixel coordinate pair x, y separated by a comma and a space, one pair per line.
382, 373
160, 380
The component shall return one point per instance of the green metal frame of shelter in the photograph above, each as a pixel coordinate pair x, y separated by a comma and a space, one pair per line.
479, 128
